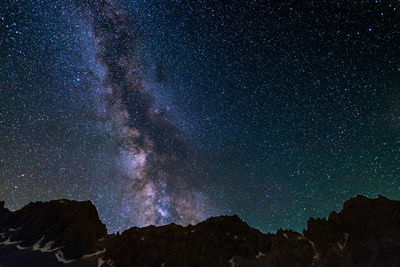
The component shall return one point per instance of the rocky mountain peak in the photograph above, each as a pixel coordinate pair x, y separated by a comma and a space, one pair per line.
64, 232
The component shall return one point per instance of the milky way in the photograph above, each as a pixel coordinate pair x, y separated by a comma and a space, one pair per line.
150, 144
174, 111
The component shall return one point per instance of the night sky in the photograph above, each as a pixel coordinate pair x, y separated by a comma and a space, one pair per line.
165, 111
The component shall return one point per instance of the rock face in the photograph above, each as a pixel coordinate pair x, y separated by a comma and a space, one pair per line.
63, 229
365, 233
69, 233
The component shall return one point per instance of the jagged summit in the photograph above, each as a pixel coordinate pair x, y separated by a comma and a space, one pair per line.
64, 232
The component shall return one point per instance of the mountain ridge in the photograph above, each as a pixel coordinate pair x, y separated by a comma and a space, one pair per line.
366, 232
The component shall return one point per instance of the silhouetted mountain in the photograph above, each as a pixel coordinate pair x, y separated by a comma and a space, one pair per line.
69, 233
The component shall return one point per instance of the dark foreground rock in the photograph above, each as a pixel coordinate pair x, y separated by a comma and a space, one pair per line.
69, 233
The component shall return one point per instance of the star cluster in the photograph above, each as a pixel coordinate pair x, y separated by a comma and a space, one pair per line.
174, 111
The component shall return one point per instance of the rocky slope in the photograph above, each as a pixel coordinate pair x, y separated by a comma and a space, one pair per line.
69, 233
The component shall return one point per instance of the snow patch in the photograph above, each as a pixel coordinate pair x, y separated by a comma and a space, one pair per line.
36, 246
94, 254
47, 247
316, 254
346, 237
260, 254
285, 235
110, 263
21, 247
60, 257
9, 242
235, 237
100, 262
14, 229
316, 257
232, 262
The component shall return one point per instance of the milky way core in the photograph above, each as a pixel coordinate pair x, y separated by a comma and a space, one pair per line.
149, 143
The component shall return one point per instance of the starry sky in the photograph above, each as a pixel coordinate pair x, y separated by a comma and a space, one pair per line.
163, 111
